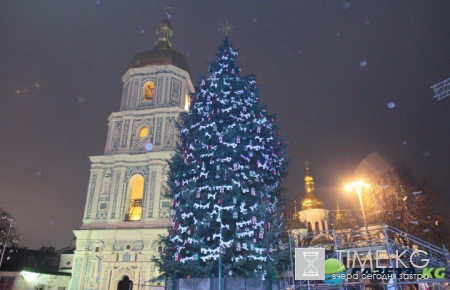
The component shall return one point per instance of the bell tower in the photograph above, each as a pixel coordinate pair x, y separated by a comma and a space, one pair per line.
125, 209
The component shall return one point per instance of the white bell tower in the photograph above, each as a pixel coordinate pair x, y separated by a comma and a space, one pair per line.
125, 208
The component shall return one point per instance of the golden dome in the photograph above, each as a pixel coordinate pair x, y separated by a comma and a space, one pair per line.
311, 200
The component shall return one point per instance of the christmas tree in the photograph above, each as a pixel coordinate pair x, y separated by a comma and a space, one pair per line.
225, 179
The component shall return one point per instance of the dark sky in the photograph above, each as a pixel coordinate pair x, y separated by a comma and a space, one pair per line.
328, 69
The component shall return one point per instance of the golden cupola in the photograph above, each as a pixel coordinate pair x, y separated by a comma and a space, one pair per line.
311, 200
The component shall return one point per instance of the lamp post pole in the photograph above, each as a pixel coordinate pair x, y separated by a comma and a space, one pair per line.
358, 187
292, 264
6, 239
358, 192
220, 258
220, 270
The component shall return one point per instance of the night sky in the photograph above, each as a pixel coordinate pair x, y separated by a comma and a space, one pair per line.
349, 81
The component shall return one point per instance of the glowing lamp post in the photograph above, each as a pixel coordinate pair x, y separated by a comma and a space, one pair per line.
358, 186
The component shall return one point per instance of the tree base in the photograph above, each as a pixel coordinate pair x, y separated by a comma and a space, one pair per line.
228, 284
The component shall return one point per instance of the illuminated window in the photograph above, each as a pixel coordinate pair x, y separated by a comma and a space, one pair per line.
149, 91
187, 102
137, 191
143, 132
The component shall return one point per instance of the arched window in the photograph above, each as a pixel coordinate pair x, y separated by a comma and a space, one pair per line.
137, 191
309, 227
149, 91
323, 226
316, 227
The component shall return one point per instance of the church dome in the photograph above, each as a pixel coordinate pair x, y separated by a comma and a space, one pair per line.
162, 53
157, 57
311, 200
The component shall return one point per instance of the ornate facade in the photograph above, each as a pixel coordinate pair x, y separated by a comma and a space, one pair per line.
125, 208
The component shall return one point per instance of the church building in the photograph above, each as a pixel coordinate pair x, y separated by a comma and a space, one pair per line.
125, 207
313, 213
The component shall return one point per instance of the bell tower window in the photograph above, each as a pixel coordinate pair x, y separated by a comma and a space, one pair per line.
136, 194
149, 91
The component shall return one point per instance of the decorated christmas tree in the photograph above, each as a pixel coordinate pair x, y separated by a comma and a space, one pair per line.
225, 179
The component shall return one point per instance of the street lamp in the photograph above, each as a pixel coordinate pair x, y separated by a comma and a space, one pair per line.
358, 186
10, 220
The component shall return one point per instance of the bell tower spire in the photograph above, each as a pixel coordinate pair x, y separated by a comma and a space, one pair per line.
311, 200
164, 32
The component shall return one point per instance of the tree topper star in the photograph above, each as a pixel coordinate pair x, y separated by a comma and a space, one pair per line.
225, 29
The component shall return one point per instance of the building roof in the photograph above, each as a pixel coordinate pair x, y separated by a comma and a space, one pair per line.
162, 53
157, 57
